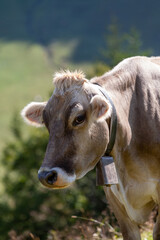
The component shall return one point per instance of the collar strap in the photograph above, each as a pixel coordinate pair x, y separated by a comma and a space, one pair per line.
113, 123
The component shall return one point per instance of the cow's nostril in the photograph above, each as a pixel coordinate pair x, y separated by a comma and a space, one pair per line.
51, 177
47, 177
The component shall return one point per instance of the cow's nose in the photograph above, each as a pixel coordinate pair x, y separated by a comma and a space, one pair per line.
47, 177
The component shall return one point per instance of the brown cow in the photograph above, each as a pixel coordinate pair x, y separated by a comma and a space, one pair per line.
77, 117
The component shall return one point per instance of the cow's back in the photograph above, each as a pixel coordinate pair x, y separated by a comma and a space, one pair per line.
144, 114
137, 148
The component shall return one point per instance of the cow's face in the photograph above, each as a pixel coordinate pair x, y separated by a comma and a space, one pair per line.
75, 117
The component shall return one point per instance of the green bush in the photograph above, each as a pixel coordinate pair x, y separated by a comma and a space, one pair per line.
26, 205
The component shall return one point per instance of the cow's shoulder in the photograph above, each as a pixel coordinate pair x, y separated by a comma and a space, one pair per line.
137, 64
126, 70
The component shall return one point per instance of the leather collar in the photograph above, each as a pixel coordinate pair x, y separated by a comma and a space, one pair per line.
113, 123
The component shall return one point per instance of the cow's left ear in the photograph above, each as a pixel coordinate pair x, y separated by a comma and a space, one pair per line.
101, 108
32, 113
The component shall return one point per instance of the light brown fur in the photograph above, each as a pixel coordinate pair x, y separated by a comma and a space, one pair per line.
134, 87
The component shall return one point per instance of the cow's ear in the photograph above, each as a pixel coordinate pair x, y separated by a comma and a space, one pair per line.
32, 113
101, 108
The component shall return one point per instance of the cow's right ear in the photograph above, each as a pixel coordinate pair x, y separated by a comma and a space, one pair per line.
32, 113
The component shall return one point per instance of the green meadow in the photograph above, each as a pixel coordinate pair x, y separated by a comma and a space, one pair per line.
26, 72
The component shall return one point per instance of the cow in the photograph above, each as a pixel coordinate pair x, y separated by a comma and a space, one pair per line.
78, 116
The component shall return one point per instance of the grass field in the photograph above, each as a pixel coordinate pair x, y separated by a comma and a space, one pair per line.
26, 75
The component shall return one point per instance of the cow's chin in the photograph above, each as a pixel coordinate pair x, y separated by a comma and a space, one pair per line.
58, 187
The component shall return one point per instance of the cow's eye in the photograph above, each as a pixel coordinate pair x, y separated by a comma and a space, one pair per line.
79, 119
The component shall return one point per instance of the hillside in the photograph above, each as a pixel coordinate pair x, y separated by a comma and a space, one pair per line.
45, 21
26, 72
38, 37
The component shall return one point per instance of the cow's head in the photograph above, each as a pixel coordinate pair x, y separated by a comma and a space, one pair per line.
76, 117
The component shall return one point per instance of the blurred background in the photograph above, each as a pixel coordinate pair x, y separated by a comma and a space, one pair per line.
37, 38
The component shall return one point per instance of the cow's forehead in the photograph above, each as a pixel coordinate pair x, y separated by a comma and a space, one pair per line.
70, 88
60, 103
55, 103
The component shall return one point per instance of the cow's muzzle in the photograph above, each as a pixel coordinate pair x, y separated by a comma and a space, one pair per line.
55, 177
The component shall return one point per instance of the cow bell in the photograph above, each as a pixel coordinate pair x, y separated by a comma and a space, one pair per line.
106, 172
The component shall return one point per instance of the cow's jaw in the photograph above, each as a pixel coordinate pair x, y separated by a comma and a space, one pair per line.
82, 174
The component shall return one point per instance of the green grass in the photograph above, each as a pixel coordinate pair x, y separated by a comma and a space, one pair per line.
147, 235
26, 75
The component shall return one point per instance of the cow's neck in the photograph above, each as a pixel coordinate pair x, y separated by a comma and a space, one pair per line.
120, 91
113, 121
